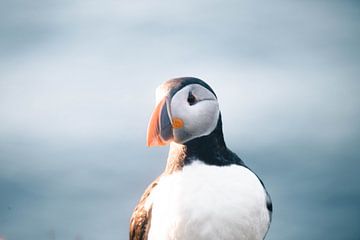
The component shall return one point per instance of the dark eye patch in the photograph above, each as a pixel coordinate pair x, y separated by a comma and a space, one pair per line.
191, 99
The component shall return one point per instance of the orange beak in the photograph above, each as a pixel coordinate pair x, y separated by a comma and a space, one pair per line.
160, 130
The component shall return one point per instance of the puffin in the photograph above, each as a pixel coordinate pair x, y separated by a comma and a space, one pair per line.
206, 191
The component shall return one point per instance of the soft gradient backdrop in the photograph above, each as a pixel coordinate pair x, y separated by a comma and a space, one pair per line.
77, 85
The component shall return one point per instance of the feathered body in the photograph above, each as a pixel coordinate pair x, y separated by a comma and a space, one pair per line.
206, 191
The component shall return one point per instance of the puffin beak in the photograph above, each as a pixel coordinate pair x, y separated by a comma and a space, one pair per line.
160, 130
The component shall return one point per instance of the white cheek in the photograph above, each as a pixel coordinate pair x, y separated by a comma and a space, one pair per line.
202, 119
199, 119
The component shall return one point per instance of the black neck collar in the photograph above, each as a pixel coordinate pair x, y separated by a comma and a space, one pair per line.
210, 149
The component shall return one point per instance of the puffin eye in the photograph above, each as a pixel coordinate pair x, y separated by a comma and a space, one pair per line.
191, 99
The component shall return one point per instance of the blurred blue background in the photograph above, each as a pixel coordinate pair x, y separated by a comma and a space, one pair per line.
77, 86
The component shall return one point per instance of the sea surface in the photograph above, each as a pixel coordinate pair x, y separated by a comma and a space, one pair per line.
77, 88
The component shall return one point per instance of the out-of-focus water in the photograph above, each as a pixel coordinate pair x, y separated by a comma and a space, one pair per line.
77, 84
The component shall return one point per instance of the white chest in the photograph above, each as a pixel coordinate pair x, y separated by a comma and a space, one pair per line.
209, 202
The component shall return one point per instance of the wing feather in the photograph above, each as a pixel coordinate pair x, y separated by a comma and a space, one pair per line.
141, 218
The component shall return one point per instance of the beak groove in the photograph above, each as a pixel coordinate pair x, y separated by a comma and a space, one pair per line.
159, 132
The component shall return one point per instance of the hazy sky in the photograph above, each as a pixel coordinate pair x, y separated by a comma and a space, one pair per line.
77, 86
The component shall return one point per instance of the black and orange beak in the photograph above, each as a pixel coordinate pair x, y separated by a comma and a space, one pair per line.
160, 130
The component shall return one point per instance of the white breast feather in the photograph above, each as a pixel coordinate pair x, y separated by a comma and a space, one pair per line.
209, 202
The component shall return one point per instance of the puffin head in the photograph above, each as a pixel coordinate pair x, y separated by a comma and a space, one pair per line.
186, 109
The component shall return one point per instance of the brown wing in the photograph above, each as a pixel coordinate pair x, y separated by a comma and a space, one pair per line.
141, 217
